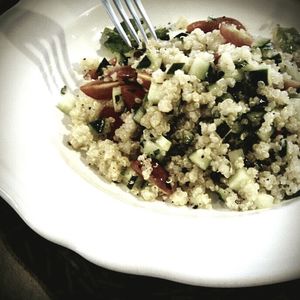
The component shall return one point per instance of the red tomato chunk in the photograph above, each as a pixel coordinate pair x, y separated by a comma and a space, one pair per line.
159, 176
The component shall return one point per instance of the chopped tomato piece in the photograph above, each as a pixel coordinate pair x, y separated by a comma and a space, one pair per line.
113, 61
235, 36
109, 112
231, 21
131, 92
290, 83
99, 89
93, 74
126, 74
210, 25
159, 176
205, 26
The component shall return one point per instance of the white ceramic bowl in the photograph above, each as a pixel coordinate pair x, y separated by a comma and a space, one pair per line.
65, 202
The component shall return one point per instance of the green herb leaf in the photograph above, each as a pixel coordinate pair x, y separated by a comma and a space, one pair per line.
287, 39
63, 90
162, 34
114, 42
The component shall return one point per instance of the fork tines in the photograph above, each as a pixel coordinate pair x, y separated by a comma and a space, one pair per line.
136, 11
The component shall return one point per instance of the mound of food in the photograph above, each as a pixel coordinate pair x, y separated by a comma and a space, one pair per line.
207, 114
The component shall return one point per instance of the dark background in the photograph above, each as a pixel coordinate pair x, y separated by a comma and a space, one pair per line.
34, 268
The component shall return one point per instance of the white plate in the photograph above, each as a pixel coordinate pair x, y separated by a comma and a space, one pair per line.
65, 202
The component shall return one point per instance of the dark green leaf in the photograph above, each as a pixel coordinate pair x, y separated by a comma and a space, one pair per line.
114, 42
162, 34
63, 90
287, 39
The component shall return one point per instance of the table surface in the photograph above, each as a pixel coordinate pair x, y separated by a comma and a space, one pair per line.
34, 268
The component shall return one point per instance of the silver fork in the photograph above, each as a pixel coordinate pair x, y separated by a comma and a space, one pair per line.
137, 12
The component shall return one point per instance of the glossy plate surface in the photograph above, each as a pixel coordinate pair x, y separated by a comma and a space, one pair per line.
65, 202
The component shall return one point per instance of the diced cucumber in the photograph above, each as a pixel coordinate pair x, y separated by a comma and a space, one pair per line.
295, 102
98, 125
223, 129
163, 143
223, 193
174, 67
118, 102
155, 60
198, 158
155, 93
135, 182
292, 70
235, 154
158, 148
103, 64
213, 75
151, 149
128, 173
131, 179
213, 88
239, 179
264, 200
144, 63
66, 104
187, 138
261, 42
139, 114
199, 68
259, 75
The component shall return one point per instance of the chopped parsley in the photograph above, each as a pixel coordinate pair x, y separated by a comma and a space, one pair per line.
287, 39
162, 34
63, 90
